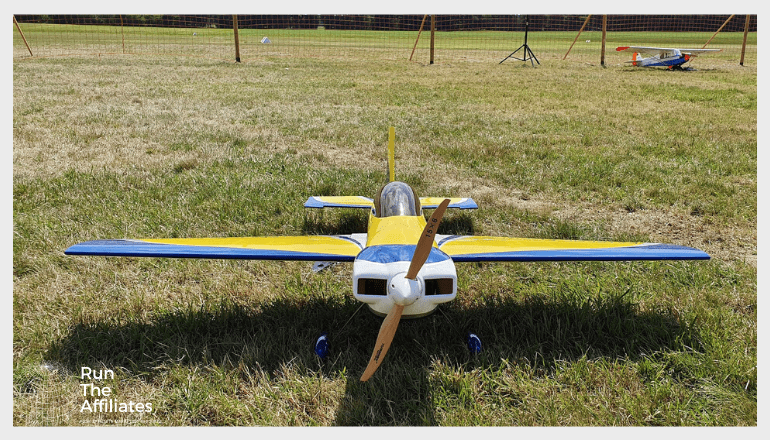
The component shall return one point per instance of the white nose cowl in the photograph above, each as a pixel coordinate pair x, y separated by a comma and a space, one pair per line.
404, 291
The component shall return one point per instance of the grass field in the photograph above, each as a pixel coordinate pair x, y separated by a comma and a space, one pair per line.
113, 147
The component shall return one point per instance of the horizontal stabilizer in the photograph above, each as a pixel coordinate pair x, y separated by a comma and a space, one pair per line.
663, 50
454, 202
339, 202
365, 202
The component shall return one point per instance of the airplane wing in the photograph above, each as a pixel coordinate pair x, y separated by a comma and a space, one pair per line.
481, 248
646, 50
661, 50
697, 51
308, 248
365, 202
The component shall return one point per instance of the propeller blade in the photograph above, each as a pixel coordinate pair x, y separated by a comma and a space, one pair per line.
425, 243
384, 338
390, 323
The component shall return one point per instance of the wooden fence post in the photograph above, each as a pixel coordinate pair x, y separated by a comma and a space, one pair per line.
718, 30
418, 36
745, 34
237, 42
432, 36
604, 36
577, 36
22, 35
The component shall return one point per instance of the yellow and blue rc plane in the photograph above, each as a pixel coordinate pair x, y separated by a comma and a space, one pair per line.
401, 266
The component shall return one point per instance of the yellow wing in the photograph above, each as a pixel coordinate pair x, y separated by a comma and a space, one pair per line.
310, 248
481, 248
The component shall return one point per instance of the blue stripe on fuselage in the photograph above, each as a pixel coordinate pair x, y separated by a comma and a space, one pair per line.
669, 62
391, 253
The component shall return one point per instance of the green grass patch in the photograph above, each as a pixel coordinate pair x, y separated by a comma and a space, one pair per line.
118, 147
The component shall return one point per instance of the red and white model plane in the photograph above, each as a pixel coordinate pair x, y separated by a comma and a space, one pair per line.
662, 56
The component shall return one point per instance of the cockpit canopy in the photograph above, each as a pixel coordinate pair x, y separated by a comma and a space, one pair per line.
397, 198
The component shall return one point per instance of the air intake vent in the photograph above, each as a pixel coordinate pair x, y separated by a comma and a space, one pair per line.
372, 286
439, 286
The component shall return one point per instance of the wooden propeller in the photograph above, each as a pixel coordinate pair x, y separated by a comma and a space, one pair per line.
384, 338
425, 243
390, 323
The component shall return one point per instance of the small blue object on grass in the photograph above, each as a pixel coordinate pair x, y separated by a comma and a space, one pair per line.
474, 343
322, 346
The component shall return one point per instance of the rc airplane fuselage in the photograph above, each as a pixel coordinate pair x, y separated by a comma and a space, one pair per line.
662, 56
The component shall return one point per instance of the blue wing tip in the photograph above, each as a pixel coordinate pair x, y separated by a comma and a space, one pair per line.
86, 247
469, 204
313, 203
678, 252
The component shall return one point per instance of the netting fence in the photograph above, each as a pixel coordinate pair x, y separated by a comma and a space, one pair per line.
445, 38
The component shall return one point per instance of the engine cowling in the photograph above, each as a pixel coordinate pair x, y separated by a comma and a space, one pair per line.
378, 280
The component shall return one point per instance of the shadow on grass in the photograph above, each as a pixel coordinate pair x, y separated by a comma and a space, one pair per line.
268, 336
349, 221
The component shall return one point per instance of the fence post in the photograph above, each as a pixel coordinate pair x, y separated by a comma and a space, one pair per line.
577, 36
418, 36
237, 42
718, 30
604, 36
432, 36
25, 40
745, 34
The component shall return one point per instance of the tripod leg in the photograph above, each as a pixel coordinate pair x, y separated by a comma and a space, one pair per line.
512, 53
532, 57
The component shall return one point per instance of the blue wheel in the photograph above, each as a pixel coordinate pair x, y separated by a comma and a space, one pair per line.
322, 346
474, 343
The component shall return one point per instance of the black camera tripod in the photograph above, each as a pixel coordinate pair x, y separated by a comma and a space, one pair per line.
528, 55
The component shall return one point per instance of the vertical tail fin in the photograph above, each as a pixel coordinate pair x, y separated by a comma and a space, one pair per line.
392, 154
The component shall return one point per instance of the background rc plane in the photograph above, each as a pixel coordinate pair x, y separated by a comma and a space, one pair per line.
662, 56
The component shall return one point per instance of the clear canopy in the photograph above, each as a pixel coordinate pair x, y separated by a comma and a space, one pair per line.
398, 198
